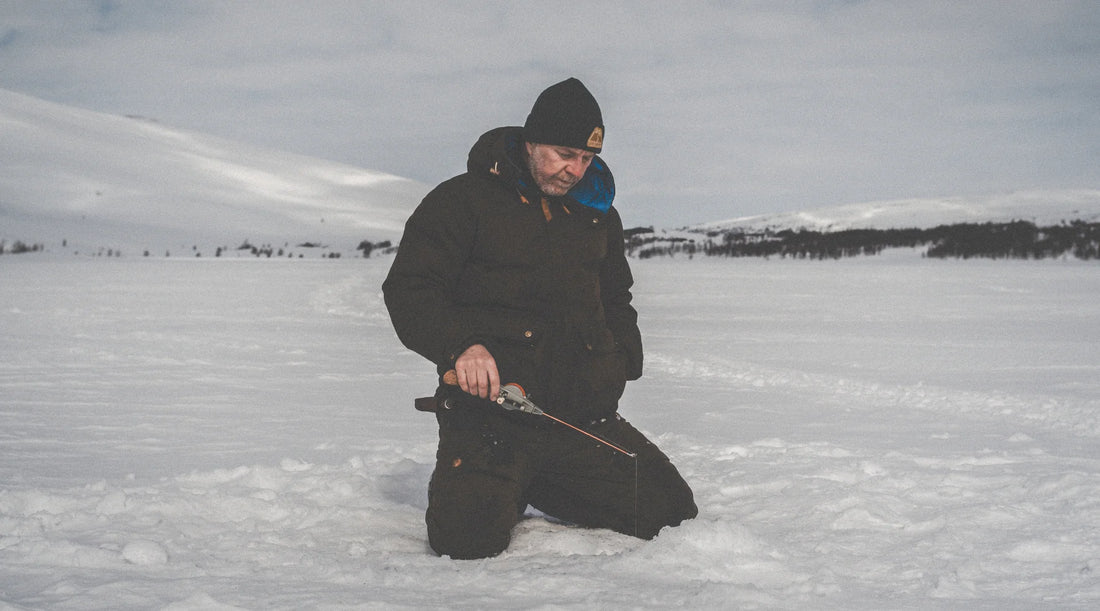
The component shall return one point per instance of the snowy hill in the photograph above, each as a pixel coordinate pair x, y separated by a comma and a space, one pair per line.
100, 181
1041, 207
96, 182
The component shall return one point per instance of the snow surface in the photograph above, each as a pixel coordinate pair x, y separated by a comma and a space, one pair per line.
181, 433
877, 433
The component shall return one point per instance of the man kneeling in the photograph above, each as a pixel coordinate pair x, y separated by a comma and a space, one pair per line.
515, 271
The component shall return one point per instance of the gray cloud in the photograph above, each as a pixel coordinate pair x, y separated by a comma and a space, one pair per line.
714, 109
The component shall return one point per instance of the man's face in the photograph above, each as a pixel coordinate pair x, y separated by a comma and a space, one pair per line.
556, 169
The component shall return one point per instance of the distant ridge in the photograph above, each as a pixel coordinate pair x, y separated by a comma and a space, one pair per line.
1041, 207
1039, 224
98, 181
82, 181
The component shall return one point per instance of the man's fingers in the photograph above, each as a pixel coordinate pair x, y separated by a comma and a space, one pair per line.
494, 384
477, 372
483, 386
476, 382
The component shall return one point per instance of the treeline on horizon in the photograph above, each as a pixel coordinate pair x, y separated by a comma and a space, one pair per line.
366, 247
1011, 240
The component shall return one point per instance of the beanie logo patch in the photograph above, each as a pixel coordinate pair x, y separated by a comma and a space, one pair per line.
596, 139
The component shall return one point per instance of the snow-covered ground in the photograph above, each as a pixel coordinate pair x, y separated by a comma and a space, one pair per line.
874, 433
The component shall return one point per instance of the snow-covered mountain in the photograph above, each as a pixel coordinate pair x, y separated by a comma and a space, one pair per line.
98, 181
1042, 207
95, 182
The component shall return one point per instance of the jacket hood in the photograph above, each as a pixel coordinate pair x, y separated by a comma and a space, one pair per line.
498, 154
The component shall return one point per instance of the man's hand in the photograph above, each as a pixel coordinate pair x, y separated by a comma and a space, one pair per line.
477, 372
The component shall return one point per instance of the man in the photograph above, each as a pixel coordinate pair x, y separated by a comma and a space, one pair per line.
515, 272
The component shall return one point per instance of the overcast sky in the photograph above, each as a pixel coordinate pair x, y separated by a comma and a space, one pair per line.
714, 110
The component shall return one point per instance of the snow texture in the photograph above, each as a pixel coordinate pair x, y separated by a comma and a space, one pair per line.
192, 434
886, 433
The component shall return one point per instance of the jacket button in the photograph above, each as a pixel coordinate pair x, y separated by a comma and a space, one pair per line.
595, 221
528, 334
589, 347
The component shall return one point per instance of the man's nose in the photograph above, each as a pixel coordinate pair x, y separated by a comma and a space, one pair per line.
576, 167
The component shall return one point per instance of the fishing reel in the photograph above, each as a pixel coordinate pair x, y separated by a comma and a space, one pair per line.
512, 397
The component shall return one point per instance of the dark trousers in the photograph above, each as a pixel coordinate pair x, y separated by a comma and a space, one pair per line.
492, 464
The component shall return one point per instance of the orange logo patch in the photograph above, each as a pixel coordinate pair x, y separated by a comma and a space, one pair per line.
596, 139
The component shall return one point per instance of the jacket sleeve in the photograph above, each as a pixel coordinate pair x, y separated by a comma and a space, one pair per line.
420, 285
615, 283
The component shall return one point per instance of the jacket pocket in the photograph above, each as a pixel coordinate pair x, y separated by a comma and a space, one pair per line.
602, 376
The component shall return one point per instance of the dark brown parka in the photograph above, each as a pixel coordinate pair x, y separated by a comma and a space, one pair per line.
542, 282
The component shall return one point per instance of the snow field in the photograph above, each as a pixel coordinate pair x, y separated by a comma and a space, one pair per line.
868, 434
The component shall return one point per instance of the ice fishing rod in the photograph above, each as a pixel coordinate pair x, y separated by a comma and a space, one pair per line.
512, 397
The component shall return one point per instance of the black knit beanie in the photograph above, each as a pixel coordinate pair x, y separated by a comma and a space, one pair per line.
566, 114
